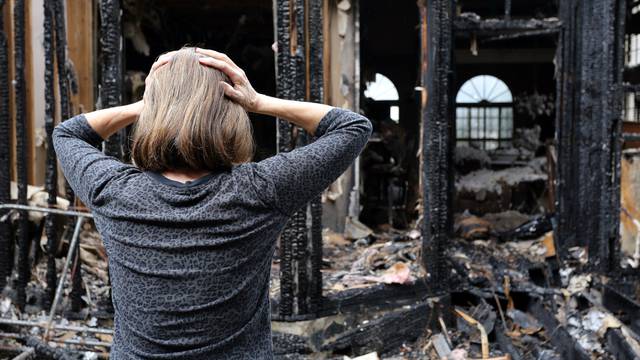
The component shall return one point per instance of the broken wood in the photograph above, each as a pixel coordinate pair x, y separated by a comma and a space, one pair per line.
483, 333
385, 333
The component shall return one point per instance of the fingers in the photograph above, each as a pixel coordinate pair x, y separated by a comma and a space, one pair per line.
161, 61
216, 55
230, 91
233, 72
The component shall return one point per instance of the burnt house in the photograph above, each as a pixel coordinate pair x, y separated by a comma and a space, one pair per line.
494, 210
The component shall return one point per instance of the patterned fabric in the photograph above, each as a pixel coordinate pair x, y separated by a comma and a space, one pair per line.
190, 263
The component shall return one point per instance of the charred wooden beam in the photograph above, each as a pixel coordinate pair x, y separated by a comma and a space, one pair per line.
300, 77
286, 87
521, 34
111, 67
51, 179
380, 296
64, 88
501, 26
45, 351
617, 339
61, 58
315, 93
626, 309
385, 333
24, 267
505, 343
437, 139
5, 155
619, 347
565, 345
589, 127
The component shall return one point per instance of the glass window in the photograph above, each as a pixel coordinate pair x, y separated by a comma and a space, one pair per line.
484, 113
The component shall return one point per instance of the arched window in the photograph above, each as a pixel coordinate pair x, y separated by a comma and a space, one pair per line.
383, 90
484, 113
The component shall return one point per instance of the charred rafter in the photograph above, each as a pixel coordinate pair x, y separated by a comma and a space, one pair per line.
299, 70
5, 150
472, 24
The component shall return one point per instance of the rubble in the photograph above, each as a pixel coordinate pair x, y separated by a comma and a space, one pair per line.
491, 191
468, 159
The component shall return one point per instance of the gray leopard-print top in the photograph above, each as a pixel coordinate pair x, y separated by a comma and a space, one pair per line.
190, 263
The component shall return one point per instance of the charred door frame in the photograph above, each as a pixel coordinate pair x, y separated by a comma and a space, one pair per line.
299, 76
588, 128
436, 17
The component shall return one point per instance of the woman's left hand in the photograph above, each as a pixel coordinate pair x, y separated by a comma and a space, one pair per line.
241, 90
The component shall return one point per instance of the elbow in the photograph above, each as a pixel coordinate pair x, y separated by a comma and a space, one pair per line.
58, 134
365, 126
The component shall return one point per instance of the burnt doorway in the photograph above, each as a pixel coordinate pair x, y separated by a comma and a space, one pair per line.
389, 64
504, 94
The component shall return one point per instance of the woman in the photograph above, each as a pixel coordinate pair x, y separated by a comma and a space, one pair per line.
191, 227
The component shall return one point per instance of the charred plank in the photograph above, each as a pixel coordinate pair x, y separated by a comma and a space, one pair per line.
299, 74
111, 66
385, 333
497, 26
565, 345
589, 128
5, 154
51, 175
437, 141
24, 267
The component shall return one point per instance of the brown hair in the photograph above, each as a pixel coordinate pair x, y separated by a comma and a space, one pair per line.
187, 122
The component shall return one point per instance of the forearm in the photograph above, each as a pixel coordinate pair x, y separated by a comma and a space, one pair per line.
107, 122
304, 114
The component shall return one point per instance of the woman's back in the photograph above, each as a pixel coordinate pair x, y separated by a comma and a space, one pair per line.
190, 263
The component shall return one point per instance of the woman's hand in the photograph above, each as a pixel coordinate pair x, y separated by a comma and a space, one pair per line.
162, 60
241, 92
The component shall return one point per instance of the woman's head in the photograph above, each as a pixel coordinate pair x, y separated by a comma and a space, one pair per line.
187, 122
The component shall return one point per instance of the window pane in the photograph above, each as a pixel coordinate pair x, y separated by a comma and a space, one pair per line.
475, 117
394, 113
462, 113
484, 126
462, 128
506, 129
492, 128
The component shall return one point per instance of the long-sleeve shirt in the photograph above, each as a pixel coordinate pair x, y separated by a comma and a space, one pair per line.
190, 263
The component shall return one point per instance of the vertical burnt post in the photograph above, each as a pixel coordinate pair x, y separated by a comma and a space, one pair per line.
5, 161
111, 67
315, 87
299, 77
65, 113
51, 180
24, 268
589, 127
437, 140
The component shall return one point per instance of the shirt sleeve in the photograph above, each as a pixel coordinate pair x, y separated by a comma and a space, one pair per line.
86, 168
293, 178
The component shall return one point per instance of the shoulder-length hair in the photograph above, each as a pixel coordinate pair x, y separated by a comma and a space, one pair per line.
187, 122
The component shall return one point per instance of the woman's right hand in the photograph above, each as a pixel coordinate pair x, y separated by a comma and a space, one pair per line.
241, 92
